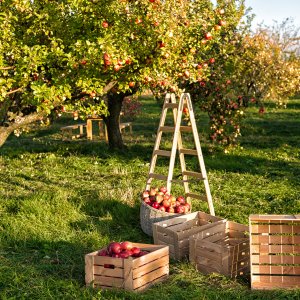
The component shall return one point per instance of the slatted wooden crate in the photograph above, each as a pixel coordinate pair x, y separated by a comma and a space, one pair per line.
275, 251
175, 232
134, 274
223, 248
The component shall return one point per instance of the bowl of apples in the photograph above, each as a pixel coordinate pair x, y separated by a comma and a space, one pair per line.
158, 205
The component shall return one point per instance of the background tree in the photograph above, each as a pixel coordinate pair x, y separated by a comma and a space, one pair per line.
57, 54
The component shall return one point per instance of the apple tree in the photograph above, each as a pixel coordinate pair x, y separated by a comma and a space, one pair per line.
86, 55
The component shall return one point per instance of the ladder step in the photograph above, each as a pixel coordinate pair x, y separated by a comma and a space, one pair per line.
158, 176
188, 151
193, 174
167, 128
196, 196
162, 153
172, 128
186, 128
171, 105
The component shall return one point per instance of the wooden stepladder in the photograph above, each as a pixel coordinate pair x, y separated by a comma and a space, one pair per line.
177, 108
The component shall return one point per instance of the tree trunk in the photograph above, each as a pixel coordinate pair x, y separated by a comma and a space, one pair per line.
5, 132
112, 121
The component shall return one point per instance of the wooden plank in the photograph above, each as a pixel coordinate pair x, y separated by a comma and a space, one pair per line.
101, 260
293, 280
193, 174
188, 151
167, 128
177, 220
275, 249
158, 176
275, 239
89, 269
145, 259
145, 269
109, 281
184, 226
116, 272
186, 129
275, 270
171, 105
149, 277
128, 274
163, 238
275, 259
162, 152
275, 229
153, 282
233, 226
208, 269
203, 244
204, 217
196, 196
273, 217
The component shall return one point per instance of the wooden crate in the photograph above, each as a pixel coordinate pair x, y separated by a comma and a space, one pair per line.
133, 274
223, 248
175, 232
275, 251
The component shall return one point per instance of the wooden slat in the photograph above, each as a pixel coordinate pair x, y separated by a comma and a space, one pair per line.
274, 229
275, 259
271, 218
196, 196
275, 239
150, 257
275, 249
149, 277
145, 269
171, 105
89, 268
203, 244
109, 281
167, 128
185, 225
275, 270
163, 238
116, 272
162, 153
158, 176
291, 281
149, 284
193, 174
233, 226
186, 128
188, 151
101, 260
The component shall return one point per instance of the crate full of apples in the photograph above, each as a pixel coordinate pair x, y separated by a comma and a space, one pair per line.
160, 199
126, 265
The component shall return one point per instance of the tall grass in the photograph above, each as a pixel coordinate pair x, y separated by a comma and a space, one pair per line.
60, 200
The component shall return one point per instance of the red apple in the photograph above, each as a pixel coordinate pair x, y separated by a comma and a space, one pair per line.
180, 209
163, 189
208, 35
124, 254
114, 247
147, 200
161, 44
170, 210
212, 60
128, 61
104, 24
103, 252
167, 197
162, 208
126, 245
116, 255
159, 198
135, 251
152, 198
142, 253
186, 74
155, 205
222, 23
166, 203
131, 84
117, 68
145, 194
181, 200
187, 207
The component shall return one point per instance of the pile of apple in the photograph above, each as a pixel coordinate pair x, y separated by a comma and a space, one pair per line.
160, 199
122, 250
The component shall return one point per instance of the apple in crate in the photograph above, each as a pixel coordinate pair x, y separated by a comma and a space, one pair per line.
126, 245
180, 209
114, 248
135, 251
181, 200
163, 189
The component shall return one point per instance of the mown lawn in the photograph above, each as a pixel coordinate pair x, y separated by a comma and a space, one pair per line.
60, 200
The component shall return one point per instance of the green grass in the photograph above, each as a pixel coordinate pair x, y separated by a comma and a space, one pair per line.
60, 200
